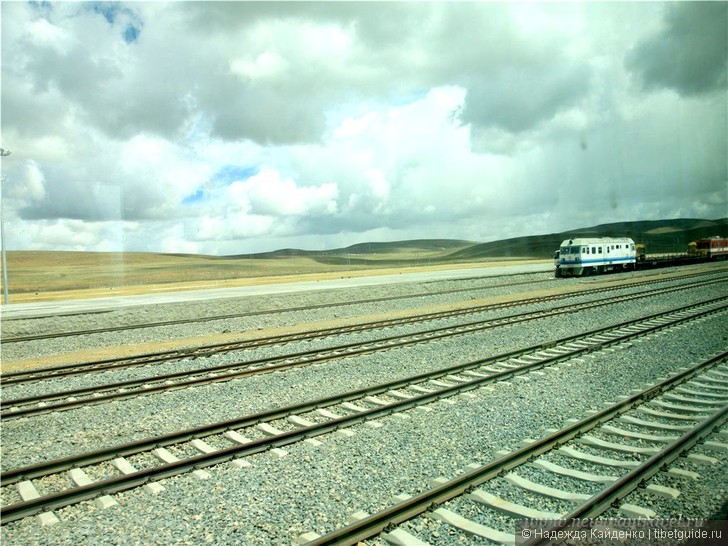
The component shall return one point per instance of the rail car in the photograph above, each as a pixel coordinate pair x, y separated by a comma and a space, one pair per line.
713, 248
586, 256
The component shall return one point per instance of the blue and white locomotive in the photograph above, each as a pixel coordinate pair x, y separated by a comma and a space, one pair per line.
586, 256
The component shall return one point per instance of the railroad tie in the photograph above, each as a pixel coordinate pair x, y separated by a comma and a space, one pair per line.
125, 467
699, 458
544, 490
682, 408
331, 415
399, 395
238, 438
613, 446
356, 516
604, 461
353, 407
709, 393
511, 508
653, 424
698, 401
376, 401
27, 492
80, 478
328, 414
202, 446
701, 383
718, 383
670, 414
400, 537
680, 473
301, 422
616, 431
576, 474
421, 389
715, 446
472, 527
305, 538
634, 511
166, 457
270, 430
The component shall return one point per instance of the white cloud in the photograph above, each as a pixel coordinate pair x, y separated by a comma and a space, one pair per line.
268, 194
33, 187
233, 127
44, 34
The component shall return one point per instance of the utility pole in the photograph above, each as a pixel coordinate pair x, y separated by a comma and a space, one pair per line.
6, 295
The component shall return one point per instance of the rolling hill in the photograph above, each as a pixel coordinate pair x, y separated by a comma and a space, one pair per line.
660, 236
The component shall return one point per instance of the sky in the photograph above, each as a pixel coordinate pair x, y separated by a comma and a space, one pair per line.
237, 127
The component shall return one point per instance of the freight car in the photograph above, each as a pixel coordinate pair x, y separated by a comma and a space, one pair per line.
586, 256
714, 248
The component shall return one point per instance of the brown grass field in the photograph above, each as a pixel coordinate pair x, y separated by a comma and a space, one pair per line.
47, 275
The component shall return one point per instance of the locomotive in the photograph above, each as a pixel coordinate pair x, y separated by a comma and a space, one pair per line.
585, 256
714, 248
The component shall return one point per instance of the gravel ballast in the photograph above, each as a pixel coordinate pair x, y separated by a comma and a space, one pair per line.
316, 488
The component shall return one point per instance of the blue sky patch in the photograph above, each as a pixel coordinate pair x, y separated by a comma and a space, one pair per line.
113, 11
409, 98
108, 9
194, 198
131, 34
230, 173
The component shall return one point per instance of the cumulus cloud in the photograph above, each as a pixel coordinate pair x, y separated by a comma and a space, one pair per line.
228, 127
689, 54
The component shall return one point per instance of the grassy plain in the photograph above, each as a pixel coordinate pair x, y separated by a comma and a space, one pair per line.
47, 276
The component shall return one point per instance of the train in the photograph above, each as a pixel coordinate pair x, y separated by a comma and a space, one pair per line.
579, 257
714, 248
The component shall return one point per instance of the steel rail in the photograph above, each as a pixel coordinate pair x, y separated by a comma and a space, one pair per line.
50, 467
38, 337
90, 331
19, 377
377, 523
439, 494
601, 502
11, 378
265, 365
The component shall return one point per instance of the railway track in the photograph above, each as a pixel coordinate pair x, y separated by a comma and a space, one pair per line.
304, 422
228, 316
95, 394
19, 377
118, 328
685, 423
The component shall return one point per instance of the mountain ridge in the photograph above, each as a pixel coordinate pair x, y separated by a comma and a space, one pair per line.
658, 235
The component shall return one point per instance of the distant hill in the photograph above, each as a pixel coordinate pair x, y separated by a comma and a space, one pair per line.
658, 235
38, 275
344, 255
